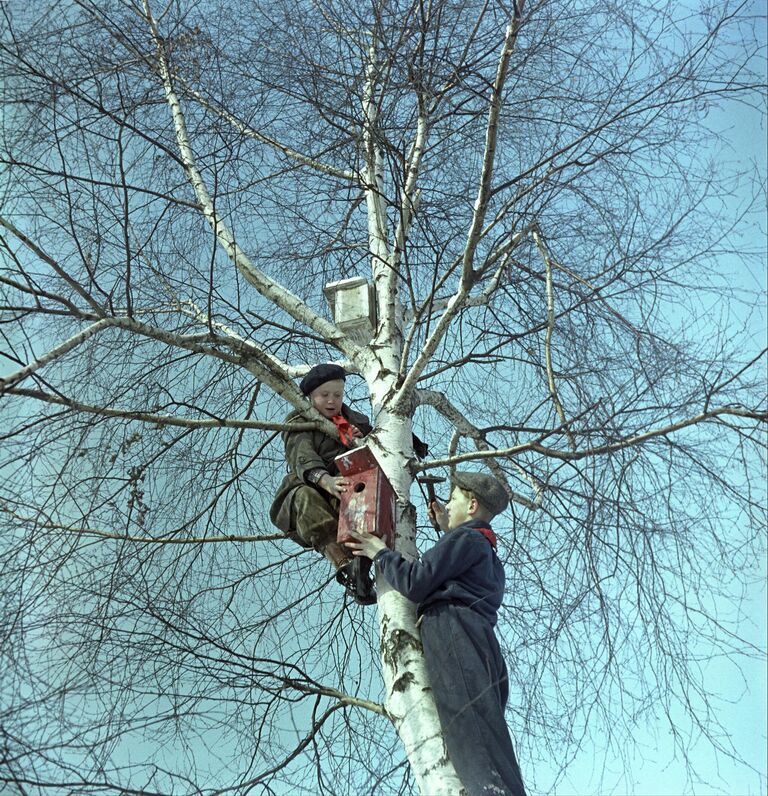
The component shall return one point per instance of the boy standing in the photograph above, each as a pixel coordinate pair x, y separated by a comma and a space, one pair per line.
458, 586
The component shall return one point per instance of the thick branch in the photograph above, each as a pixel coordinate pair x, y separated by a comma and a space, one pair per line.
55, 353
464, 428
248, 132
384, 277
265, 368
161, 419
491, 137
638, 439
268, 288
548, 339
73, 283
458, 300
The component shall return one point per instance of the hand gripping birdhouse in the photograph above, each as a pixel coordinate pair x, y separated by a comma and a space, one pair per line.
369, 502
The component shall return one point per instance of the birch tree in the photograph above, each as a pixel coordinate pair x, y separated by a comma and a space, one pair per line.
546, 213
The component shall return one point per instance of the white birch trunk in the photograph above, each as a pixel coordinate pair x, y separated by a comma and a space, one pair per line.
409, 700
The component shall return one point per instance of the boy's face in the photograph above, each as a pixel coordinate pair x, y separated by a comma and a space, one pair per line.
460, 507
328, 397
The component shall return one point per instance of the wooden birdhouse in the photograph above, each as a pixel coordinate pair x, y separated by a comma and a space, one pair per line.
369, 502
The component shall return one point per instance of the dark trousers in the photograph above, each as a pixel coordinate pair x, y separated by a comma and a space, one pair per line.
469, 681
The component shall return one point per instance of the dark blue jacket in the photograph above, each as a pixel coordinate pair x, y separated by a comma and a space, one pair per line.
462, 568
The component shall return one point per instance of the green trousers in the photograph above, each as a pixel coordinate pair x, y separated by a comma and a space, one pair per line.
315, 517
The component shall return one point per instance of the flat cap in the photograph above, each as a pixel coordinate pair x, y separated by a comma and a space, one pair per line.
321, 374
487, 489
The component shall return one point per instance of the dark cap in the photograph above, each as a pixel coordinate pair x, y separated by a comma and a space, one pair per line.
319, 375
487, 489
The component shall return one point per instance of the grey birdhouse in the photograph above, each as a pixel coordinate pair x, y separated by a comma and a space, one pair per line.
353, 307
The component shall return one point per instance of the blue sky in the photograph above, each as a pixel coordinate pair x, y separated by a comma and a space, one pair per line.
743, 689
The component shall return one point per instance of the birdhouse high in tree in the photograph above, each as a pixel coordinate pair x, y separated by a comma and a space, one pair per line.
369, 502
353, 307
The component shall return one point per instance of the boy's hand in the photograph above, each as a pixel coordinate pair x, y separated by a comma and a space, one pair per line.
367, 544
334, 485
438, 513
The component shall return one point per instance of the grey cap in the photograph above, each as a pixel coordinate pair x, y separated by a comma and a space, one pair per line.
487, 489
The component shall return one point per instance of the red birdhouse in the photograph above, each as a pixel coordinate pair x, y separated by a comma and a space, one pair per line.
369, 502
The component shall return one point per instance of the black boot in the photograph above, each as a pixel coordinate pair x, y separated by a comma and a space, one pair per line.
364, 588
355, 577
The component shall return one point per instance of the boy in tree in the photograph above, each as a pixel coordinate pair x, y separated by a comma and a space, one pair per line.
458, 586
306, 506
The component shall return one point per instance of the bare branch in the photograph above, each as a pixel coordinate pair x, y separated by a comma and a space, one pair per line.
249, 132
145, 538
548, 339
489, 151
74, 284
465, 428
639, 439
283, 298
160, 419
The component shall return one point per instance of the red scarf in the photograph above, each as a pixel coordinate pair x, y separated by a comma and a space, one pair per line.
488, 534
346, 429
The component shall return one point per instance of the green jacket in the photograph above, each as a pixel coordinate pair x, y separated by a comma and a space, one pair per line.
305, 451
